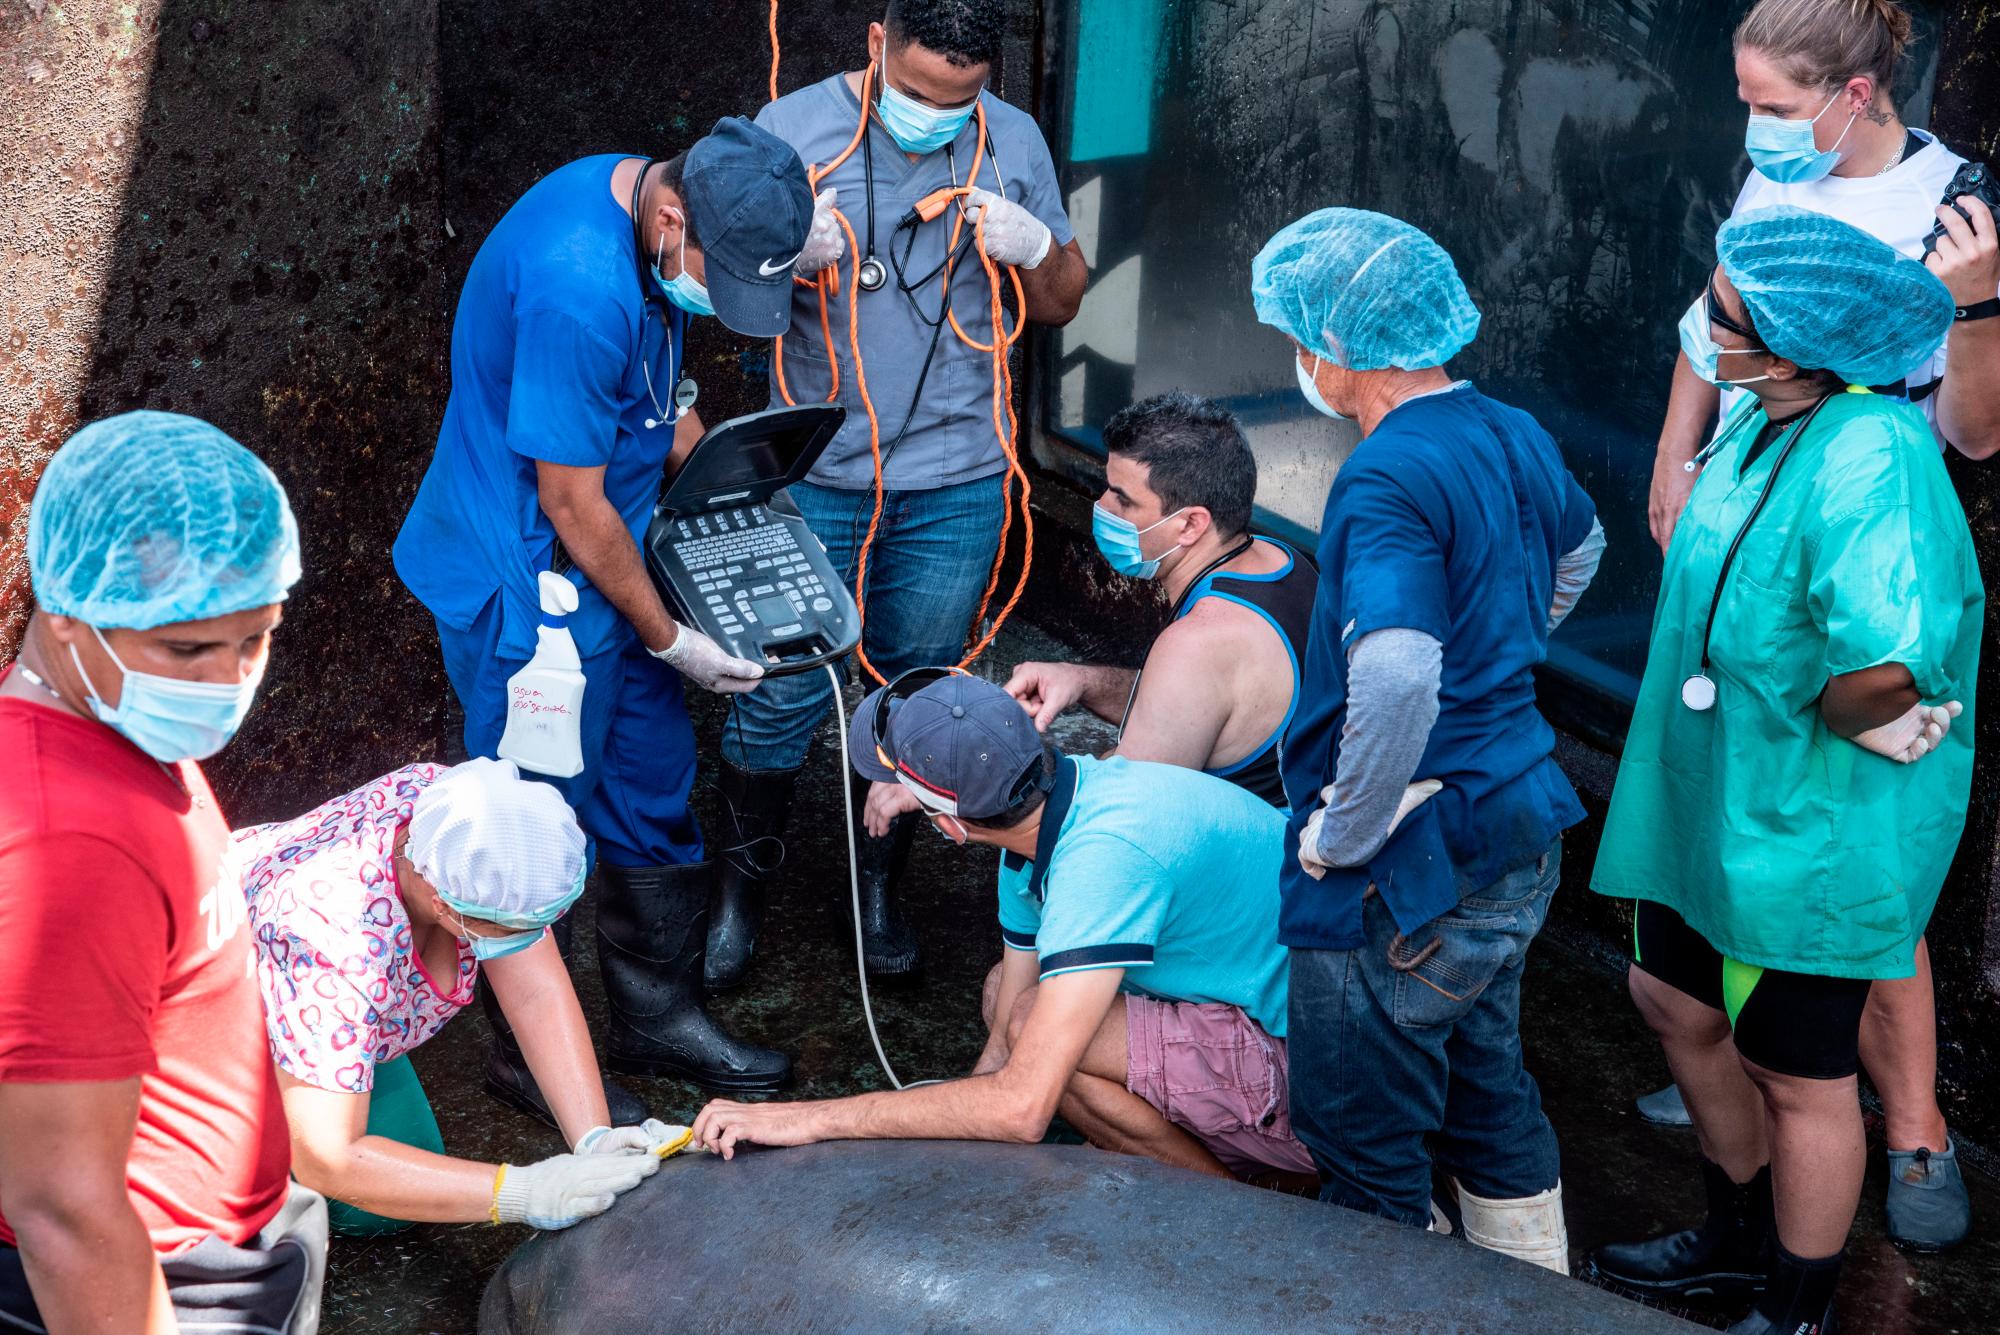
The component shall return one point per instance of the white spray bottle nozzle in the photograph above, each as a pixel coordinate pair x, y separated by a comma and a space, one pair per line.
559, 597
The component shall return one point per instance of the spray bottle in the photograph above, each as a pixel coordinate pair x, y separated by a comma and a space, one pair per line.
545, 698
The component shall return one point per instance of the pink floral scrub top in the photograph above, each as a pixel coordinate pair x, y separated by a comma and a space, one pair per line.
343, 990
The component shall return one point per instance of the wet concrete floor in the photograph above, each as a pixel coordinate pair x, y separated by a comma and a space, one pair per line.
1585, 1044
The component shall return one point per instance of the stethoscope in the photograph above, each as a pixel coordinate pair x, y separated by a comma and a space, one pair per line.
685, 390
874, 274
1174, 614
1698, 691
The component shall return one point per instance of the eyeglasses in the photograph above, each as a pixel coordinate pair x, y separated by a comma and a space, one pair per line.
1717, 315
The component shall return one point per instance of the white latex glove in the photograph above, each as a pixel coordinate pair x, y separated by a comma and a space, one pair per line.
707, 664
1013, 235
557, 1192
826, 242
1914, 735
651, 1136
1414, 796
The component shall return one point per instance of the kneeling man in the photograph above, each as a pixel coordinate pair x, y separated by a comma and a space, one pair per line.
1142, 991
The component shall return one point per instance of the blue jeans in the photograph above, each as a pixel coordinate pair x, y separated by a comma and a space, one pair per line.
930, 562
1382, 1057
638, 747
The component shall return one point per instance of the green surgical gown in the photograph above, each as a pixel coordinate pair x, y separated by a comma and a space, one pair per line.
1783, 844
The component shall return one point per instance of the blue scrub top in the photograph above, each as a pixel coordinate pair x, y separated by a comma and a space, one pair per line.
1449, 519
546, 363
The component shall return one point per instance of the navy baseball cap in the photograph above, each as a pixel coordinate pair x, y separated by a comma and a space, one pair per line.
752, 209
961, 744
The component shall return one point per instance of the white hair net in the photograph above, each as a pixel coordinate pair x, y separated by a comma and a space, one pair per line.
497, 846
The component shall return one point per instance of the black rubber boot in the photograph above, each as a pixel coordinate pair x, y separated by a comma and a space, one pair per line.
756, 803
1729, 1256
508, 1078
888, 946
652, 933
1799, 1300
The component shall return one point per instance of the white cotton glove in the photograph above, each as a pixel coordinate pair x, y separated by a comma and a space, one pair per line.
1414, 796
557, 1192
1013, 235
707, 664
651, 1136
826, 242
1915, 734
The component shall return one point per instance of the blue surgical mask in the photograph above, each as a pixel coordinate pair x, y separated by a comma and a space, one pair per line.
1309, 386
683, 289
1784, 150
1118, 542
485, 948
917, 128
169, 719
1702, 350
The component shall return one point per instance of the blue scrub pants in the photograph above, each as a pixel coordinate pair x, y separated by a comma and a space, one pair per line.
638, 748
930, 562
1383, 1058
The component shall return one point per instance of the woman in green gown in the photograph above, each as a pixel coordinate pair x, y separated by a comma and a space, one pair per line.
1800, 757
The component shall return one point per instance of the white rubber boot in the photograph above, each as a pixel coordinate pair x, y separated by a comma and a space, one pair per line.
1528, 1228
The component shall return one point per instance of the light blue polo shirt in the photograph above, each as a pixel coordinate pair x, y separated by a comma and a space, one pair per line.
1167, 873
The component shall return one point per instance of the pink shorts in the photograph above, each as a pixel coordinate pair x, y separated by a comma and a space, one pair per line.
1212, 1071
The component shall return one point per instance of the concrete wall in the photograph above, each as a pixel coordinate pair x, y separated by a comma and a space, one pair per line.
232, 210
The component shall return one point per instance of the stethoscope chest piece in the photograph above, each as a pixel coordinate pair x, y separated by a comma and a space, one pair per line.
873, 275
1698, 693
685, 394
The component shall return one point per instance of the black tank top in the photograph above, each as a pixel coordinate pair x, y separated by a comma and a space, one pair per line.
1284, 598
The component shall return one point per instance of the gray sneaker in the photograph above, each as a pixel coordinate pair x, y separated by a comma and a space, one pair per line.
1928, 1209
1663, 1107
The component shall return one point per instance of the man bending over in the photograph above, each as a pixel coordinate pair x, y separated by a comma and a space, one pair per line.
1115, 875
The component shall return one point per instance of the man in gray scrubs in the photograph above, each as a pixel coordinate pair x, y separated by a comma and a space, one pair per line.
942, 462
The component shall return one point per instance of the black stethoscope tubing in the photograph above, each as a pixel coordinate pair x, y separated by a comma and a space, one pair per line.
651, 300
1743, 529
1173, 615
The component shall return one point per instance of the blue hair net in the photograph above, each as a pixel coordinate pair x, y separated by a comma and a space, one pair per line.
148, 518
1363, 290
1831, 297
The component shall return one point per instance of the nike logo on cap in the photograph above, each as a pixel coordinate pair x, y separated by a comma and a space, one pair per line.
772, 268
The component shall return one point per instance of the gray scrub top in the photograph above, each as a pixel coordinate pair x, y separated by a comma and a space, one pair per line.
950, 437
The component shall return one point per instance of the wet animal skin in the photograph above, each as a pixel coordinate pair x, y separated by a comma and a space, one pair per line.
958, 1235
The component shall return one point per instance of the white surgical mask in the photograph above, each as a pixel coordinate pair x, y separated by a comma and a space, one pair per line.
1703, 351
169, 719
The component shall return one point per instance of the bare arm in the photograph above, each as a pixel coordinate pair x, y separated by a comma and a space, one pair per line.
1054, 288
1045, 690
686, 432
1018, 971
535, 994
1183, 703
333, 1153
1691, 407
594, 533
1013, 1104
1854, 702
88, 1260
1968, 262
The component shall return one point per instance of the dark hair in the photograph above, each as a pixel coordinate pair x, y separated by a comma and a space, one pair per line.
1194, 453
1820, 43
964, 32
1029, 804
673, 175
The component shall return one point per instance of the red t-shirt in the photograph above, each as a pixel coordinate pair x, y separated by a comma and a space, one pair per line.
123, 953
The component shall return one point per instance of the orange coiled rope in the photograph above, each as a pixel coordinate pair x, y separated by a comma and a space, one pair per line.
1006, 426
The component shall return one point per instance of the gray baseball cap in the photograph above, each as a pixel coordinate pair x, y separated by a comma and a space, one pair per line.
961, 744
752, 209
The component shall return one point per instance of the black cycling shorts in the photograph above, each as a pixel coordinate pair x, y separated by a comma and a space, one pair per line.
1797, 1024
